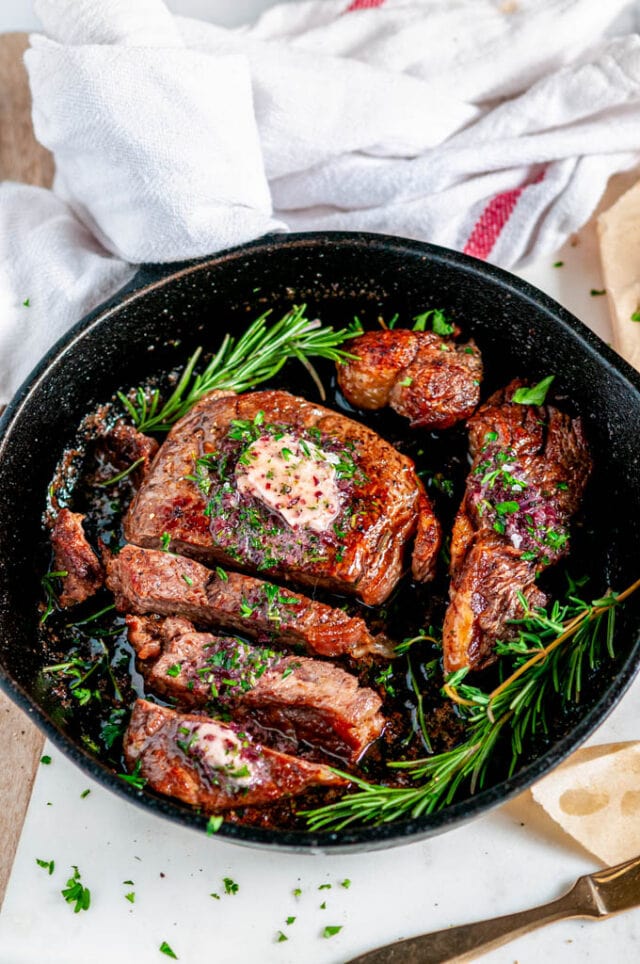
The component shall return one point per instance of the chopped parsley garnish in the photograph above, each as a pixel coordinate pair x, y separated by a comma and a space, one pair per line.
165, 541
230, 886
331, 930
406, 382
166, 949
174, 670
214, 823
221, 574
558, 264
506, 508
439, 323
134, 779
534, 395
187, 579
75, 893
383, 679
597, 291
48, 865
46, 759
636, 315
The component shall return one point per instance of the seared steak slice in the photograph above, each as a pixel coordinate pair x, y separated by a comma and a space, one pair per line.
124, 445
73, 554
213, 765
304, 699
431, 380
269, 482
530, 467
149, 581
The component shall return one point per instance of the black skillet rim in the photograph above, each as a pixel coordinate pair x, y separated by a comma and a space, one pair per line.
150, 277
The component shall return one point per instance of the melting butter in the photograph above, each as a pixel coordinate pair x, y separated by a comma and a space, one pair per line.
294, 478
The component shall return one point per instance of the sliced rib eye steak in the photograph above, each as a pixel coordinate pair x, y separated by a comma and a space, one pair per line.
151, 581
73, 555
302, 699
530, 467
271, 483
431, 380
213, 765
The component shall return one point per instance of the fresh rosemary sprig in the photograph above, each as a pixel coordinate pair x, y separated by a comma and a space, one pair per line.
49, 582
241, 364
517, 708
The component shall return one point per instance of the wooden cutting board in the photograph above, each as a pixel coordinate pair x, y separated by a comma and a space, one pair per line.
21, 159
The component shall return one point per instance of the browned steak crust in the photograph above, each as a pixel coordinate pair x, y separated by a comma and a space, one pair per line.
530, 467
302, 699
73, 554
191, 493
212, 765
431, 380
151, 581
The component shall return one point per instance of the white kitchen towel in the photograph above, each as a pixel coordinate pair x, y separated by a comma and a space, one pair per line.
491, 126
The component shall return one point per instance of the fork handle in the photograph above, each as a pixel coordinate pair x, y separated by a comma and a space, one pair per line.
457, 944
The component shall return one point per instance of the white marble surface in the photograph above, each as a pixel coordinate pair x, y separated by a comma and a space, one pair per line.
500, 863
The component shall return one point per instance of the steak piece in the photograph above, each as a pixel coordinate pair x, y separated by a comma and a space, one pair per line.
530, 467
150, 581
73, 554
431, 380
124, 445
303, 699
268, 482
213, 765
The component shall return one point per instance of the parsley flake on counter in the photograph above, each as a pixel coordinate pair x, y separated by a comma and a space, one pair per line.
346, 883
296, 892
558, 264
331, 930
131, 897
636, 315
85, 793
215, 896
214, 823
48, 865
26, 303
281, 937
290, 920
324, 887
323, 905
230, 886
166, 949
129, 883
74, 892
597, 291
46, 759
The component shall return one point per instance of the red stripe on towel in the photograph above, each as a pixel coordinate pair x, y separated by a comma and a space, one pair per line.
363, 5
489, 225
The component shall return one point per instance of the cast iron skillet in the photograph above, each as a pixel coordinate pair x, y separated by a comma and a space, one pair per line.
520, 331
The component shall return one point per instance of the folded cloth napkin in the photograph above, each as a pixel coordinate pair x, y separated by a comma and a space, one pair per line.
490, 126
